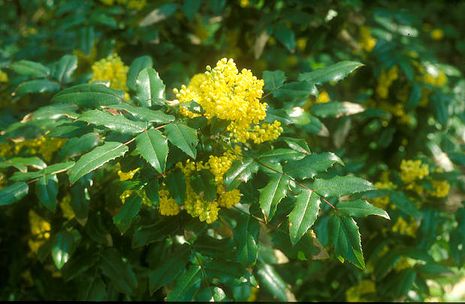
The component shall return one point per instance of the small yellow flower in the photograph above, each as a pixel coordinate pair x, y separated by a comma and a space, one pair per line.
356, 293
437, 34
124, 176
323, 97
403, 227
440, 188
111, 69
40, 230
367, 42
412, 170
65, 206
3, 76
168, 205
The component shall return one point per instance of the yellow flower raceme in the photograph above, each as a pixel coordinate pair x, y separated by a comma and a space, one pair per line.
437, 34
225, 93
355, 293
130, 4
386, 78
65, 206
403, 227
3, 76
111, 69
42, 145
412, 170
323, 97
124, 176
440, 188
168, 205
40, 230
383, 201
367, 42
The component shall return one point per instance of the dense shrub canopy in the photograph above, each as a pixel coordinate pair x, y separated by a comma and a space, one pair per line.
232, 150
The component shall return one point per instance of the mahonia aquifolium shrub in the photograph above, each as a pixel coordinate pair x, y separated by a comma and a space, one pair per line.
125, 175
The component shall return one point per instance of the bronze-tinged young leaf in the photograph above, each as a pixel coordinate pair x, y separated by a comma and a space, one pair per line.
240, 172
95, 159
304, 214
311, 165
13, 193
360, 208
345, 237
117, 123
333, 72
341, 185
183, 137
153, 147
272, 194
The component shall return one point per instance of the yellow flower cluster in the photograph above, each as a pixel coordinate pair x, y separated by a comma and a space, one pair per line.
323, 97
195, 204
384, 184
124, 176
130, 4
404, 263
437, 34
244, 3
401, 226
42, 145
225, 93
65, 206
168, 205
40, 230
142, 194
367, 42
385, 80
356, 293
412, 170
111, 69
3, 76
440, 188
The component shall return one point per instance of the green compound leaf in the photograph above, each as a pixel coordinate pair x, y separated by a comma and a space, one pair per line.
128, 213
295, 91
273, 282
186, 285
273, 79
169, 269
333, 72
118, 271
144, 114
281, 154
95, 159
89, 95
176, 183
153, 147
203, 183
117, 123
46, 190
311, 165
272, 194
360, 208
246, 237
304, 214
21, 163
345, 237
13, 193
64, 68
240, 172
78, 145
136, 67
150, 89
37, 86
341, 185
30, 68
62, 248
183, 137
